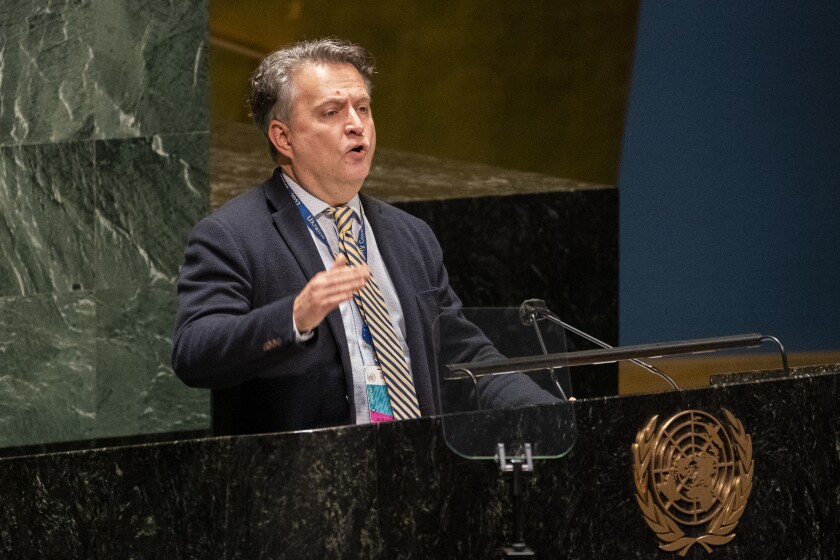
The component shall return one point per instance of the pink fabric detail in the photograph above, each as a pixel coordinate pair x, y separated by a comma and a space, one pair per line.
379, 417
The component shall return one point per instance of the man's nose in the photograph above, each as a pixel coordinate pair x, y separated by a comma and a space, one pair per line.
354, 123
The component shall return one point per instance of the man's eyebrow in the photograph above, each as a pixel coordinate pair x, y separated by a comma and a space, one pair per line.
340, 100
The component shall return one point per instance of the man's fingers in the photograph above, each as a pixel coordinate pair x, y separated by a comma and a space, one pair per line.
340, 272
327, 290
340, 261
340, 266
322, 294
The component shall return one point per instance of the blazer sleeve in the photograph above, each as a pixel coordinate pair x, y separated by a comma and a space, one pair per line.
220, 338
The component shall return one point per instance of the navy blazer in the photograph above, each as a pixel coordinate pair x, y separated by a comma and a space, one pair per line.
243, 267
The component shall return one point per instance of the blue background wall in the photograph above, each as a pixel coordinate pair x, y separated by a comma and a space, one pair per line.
729, 215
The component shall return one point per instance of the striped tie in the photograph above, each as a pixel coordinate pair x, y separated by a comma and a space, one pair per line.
371, 304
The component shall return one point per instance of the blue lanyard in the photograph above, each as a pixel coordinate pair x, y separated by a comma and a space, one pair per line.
313, 225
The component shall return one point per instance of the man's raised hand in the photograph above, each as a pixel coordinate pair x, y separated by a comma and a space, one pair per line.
326, 290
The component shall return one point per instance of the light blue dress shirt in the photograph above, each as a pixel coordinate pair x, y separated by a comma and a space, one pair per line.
361, 353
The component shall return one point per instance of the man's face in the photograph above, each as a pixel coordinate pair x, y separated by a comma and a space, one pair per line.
330, 138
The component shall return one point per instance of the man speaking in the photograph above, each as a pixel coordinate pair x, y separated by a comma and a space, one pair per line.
304, 304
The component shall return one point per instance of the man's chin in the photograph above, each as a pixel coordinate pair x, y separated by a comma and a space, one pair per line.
357, 171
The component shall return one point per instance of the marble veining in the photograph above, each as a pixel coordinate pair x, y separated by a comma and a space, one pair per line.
47, 379
136, 389
150, 68
297, 515
762, 375
397, 491
150, 191
46, 218
80, 69
45, 55
103, 170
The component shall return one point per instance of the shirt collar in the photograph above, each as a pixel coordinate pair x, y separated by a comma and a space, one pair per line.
315, 204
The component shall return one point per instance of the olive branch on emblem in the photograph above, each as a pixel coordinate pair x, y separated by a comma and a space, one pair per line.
734, 498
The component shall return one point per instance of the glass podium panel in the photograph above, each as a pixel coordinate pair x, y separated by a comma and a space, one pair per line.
508, 408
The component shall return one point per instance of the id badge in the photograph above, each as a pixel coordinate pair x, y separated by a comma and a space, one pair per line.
377, 391
373, 376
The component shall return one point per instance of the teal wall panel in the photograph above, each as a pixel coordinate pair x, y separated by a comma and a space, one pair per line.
149, 67
103, 170
149, 190
136, 391
46, 50
48, 376
47, 218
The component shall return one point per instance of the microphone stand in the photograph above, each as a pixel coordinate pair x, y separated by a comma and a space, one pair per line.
532, 310
532, 320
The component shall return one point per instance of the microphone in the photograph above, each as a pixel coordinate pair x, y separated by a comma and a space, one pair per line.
532, 310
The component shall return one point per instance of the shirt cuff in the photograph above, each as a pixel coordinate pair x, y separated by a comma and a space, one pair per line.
301, 337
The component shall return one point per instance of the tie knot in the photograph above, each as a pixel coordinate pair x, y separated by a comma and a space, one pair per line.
343, 216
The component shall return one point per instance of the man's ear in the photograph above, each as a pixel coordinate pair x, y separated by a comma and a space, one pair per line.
278, 135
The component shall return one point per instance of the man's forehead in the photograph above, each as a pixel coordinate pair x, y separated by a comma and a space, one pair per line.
328, 76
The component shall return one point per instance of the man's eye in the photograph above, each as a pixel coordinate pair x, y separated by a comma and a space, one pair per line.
330, 113
363, 109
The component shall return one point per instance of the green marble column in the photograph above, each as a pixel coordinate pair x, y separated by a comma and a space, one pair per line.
103, 170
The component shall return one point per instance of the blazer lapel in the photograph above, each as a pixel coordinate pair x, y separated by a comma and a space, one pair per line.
292, 229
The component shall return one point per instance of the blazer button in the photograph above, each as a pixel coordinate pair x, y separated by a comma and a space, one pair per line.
272, 344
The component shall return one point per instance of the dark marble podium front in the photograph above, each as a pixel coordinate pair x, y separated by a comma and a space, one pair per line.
395, 491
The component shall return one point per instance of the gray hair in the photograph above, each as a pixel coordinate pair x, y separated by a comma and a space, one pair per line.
272, 94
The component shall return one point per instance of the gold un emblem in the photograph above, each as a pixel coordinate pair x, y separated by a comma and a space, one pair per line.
693, 478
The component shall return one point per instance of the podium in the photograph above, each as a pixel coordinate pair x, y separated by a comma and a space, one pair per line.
397, 491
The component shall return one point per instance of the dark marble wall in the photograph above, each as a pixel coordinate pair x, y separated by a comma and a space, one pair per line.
103, 169
396, 491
